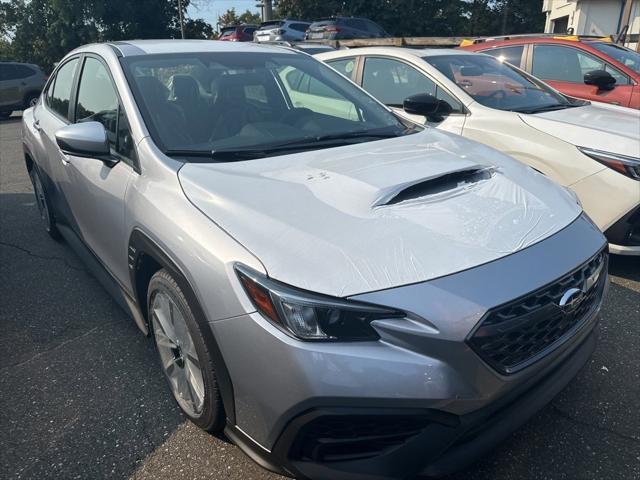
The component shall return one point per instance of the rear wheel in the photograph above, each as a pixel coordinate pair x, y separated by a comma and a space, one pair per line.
43, 204
184, 356
31, 100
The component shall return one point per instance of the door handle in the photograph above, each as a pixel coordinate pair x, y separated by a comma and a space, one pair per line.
36, 125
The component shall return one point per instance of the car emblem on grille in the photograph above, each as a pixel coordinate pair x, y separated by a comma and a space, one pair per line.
571, 299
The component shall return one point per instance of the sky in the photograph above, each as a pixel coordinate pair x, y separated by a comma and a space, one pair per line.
209, 10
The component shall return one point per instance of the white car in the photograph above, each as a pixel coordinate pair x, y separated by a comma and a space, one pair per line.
593, 148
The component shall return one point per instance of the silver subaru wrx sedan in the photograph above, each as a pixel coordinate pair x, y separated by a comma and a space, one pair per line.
346, 294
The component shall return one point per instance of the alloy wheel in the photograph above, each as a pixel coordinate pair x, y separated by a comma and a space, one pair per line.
178, 355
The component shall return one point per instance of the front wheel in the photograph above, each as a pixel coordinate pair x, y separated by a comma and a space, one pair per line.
185, 359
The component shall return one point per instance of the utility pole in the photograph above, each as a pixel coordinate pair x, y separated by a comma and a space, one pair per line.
268, 10
181, 18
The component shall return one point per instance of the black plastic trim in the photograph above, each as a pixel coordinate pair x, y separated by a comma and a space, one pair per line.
625, 230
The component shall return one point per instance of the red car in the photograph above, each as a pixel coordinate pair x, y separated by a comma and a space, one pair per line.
582, 67
237, 33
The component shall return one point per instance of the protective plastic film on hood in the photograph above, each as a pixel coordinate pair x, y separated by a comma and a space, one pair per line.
325, 220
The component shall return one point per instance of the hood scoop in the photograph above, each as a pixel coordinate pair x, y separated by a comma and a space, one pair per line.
436, 188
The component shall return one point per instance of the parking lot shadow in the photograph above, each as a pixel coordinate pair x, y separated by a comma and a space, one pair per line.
82, 394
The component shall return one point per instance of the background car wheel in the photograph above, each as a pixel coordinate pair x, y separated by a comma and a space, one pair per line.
5, 114
31, 101
43, 204
184, 355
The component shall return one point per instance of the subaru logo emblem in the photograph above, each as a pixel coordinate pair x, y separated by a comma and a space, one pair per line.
571, 299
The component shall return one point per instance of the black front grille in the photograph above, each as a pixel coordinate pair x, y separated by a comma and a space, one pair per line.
518, 333
335, 438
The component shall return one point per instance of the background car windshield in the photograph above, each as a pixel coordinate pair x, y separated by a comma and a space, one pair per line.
224, 101
623, 55
496, 84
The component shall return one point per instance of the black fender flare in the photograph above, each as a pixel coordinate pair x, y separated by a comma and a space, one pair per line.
140, 245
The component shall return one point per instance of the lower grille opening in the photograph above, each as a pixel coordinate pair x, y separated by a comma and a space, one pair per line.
340, 438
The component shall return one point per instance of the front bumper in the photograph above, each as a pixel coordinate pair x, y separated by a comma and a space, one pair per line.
421, 369
624, 235
445, 444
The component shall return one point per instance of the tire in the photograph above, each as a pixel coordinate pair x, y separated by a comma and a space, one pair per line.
31, 100
183, 352
4, 115
43, 204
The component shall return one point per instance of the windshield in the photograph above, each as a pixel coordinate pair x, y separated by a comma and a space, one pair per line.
229, 101
270, 25
623, 55
496, 84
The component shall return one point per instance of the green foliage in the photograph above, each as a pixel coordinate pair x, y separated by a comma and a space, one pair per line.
43, 31
428, 17
230, 17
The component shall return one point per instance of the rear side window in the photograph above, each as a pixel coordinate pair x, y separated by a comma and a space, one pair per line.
357, 24
22, 71
345, 66
61, 93
512, 55
566, 64
15, 72
300, 27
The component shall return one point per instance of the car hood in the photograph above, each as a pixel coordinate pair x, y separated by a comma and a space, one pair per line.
381, 214
598, 126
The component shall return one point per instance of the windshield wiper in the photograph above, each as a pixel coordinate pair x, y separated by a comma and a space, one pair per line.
545, 108
306, 143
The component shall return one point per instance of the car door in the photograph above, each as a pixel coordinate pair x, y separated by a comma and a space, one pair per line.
96, 191
9, 85
391, 81
563, 67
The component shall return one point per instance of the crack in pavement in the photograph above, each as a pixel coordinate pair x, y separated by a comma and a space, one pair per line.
44, 352
43, 257
571, 418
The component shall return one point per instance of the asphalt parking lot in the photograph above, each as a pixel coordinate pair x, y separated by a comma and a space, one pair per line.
81, 395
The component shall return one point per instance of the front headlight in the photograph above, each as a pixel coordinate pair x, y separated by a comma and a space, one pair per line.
629, 166
310, 316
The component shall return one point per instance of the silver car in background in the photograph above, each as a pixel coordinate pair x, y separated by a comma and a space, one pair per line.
281, 31
345, 294
20, 86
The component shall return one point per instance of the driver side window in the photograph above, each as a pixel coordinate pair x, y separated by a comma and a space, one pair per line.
392, 81
97, 101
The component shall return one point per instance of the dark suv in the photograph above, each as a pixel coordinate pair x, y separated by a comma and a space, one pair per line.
20, 86
342, 28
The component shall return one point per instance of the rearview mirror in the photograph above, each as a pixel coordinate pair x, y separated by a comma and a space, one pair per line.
87, 139
427, 105
601, 79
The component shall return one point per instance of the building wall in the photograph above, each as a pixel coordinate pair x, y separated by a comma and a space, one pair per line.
591, 17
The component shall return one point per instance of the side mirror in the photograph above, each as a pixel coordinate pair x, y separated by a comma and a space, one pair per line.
428, 106
87, 139
601, 79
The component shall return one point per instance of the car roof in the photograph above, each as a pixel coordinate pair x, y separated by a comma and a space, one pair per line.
151, 47
398, 51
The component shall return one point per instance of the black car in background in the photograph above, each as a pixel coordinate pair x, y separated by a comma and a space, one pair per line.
342, 28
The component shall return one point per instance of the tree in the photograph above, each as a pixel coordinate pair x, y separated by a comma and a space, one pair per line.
43, 31
230, 17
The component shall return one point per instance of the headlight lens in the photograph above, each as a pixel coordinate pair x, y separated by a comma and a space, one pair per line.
310, 316
629, 166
